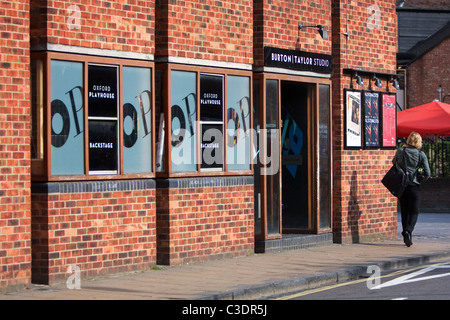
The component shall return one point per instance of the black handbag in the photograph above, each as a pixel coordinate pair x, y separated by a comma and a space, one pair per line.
396, 179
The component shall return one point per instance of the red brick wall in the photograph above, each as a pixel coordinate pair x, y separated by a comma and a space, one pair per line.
204, 218
363, 208
101, 227
15, 252
372, 43
211, 30
276, 25
426, 74
114, 25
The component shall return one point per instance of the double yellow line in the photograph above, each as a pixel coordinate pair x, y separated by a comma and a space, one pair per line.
395, 273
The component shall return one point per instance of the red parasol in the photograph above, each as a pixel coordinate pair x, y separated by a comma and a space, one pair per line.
428, 119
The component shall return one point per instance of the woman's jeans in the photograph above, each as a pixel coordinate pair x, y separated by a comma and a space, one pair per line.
409, 204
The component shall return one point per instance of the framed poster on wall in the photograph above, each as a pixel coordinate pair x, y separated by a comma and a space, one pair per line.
352, 119
371, 120
389, 120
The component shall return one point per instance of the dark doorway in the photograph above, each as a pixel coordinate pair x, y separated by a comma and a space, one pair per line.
295, 100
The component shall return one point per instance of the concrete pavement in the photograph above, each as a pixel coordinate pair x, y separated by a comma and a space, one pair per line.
256, 276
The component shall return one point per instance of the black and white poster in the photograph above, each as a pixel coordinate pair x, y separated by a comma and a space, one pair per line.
211, 121
102, 93
103, 119
211, 98
103, 146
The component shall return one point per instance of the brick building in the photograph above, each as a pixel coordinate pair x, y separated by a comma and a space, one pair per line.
424, 40
137, 133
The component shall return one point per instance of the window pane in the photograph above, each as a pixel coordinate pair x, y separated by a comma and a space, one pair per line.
184, 129
67, 139
238, 123
137, 120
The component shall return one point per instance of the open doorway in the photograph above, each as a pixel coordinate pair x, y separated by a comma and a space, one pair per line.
295, 151
293, 203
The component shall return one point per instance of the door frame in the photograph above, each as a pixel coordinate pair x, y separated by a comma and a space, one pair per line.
313, 84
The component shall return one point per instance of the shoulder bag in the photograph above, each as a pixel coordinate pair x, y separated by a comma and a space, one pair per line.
396, 179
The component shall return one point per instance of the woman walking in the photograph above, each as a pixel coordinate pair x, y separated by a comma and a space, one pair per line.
410, 199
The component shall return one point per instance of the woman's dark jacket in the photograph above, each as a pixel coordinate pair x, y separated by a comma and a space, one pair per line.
412, 163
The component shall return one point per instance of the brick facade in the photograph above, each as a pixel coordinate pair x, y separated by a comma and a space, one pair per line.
115, 225
101, 227
427, 73
276, 25
204, 218
126, 26
220, 31
363, 209
15, 237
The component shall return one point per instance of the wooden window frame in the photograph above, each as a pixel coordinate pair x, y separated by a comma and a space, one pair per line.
41, 168
166, 69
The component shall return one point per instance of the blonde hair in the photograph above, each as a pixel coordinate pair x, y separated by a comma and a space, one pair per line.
414, 140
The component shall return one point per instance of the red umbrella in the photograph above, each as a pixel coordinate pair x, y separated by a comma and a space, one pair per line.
427, 119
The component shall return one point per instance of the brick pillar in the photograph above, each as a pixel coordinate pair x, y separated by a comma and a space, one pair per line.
15, 252
363, 208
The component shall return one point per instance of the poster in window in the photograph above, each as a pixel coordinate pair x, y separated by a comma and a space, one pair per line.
352, 119
103, 119
371, 120
389, 120
212, 146
211, 97
211, 121
103, 146
102, 93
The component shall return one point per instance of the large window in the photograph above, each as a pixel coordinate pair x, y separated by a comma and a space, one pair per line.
95, 117
210, 122
100, 116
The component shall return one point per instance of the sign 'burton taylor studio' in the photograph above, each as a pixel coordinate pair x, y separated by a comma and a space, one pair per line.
297, 60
